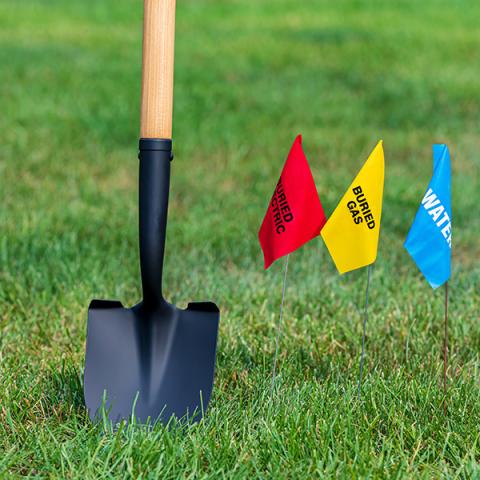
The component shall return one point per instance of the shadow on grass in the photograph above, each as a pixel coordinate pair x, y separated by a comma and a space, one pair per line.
63, 394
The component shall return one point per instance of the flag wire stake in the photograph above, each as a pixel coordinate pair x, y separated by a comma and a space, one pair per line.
279, 326
365, 318
445, 351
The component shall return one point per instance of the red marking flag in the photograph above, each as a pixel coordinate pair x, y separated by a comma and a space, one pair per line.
295, 214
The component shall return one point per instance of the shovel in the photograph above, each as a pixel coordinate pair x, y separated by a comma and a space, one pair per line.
154, 360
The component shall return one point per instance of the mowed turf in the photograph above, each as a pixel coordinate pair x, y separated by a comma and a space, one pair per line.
249, 76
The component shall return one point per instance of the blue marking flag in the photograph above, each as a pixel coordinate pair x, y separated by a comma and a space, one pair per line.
429, 241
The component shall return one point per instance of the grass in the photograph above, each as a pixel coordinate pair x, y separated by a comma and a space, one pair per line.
249, 76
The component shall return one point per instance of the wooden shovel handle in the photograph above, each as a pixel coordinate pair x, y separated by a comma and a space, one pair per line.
157, 69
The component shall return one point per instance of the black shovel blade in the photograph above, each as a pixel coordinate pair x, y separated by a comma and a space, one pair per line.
150, 364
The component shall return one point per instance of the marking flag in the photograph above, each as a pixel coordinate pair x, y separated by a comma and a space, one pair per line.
295, 214
429, 241
352, 231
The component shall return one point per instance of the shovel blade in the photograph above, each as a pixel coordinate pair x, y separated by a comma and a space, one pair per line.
150, 364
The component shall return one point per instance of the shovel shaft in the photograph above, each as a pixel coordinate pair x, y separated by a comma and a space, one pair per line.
154, 178
157, 69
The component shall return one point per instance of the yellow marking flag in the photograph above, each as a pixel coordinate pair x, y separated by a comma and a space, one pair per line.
351, 233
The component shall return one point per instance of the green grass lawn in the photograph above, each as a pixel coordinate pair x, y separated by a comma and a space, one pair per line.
250, 75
